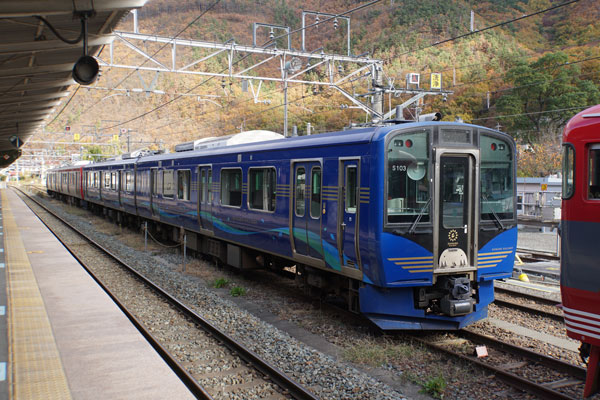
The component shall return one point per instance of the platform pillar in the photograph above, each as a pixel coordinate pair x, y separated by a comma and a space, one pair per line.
592, 381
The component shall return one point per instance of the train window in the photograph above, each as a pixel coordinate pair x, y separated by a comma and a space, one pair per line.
452, 187
203, 186
113, 180
496, 177
300, 187
315, 193
129, 181
154, 181
594, 171
183, 184
408, 186
231, 187
568, 171
168, 184
106, 180
261, 189
351, 182
455, 136
209, 187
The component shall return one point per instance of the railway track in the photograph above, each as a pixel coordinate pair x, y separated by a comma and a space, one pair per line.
528, 303
201, 376
540, 375
527, 296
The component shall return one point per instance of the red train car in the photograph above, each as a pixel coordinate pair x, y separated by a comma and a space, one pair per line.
580, 238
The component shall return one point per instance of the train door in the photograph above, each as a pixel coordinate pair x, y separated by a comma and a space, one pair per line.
456, 211
205, 197
306, 210
154, 191
348, 211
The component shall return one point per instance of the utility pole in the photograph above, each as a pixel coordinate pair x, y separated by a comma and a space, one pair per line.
378, 89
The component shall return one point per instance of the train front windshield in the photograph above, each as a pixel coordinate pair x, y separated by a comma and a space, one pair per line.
408, 188
497, 191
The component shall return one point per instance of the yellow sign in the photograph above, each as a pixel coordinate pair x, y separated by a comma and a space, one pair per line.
544, 187
436, 81
115, 138
76, 137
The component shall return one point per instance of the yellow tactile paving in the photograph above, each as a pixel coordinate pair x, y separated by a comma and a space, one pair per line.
34, 369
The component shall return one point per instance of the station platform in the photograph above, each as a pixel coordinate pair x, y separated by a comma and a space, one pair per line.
64, 337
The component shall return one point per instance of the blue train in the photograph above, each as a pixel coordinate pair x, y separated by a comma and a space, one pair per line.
409, 223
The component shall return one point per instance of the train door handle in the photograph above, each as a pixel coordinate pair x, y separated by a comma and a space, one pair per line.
465, 228
343, 225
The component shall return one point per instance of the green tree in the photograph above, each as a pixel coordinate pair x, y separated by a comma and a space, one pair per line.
93, 153
545, 93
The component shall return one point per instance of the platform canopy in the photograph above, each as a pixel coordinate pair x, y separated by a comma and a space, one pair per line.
36, 66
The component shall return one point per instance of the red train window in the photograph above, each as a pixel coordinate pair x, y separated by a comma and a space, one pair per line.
594, 173
568, 171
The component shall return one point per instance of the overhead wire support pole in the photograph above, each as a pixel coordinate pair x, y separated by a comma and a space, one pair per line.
335, 16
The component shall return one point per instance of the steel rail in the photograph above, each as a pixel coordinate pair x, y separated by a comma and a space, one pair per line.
539, 299
508, 377
293, 388
529, 309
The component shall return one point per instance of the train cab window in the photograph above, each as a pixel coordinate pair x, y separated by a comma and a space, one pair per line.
183, 185
315, 193
594, 173
568, 169
496, 175
231, 187
351, 182
261, 189
408, 186
168, 186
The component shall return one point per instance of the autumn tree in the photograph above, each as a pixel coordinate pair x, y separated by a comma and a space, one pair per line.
544, 95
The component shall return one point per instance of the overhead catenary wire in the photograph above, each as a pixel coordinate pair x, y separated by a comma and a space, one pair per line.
490, 27
160, 106
422, 48
533, 113
147, 59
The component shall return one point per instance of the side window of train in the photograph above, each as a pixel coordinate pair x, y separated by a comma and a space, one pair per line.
154, 181
183, 184
231, 187
568, 166
107, 180
261, 189
113, 180
129, 181
594, 173
168, 184
496, 177
315, 193
300, 190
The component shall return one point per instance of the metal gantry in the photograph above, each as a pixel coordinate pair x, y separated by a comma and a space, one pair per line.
244, 62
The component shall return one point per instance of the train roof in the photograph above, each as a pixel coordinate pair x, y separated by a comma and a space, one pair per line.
354, 136
589, 117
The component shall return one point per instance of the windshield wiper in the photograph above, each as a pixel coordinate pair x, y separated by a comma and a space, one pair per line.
416, 221
494, 213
